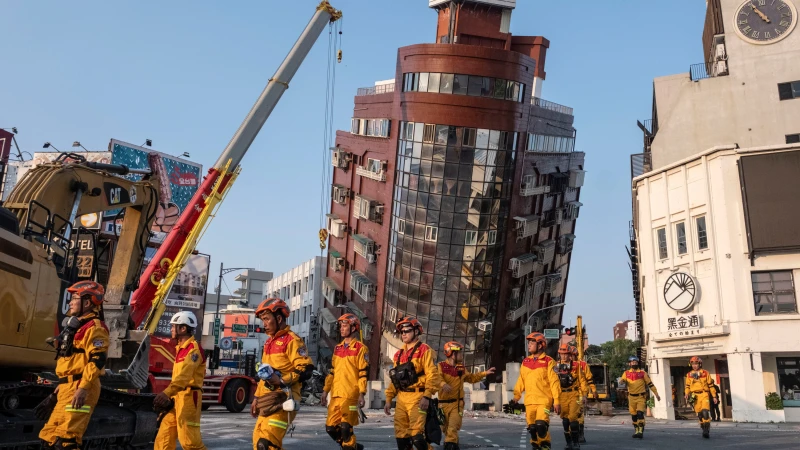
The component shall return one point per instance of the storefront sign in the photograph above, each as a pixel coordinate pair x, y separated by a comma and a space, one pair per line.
680, 291
683, 322
690, 333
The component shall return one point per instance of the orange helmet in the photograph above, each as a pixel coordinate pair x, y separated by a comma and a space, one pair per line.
275, 306
355, 324
696, 359
91, 288
409, 322
564, 349
451, 347
538, 337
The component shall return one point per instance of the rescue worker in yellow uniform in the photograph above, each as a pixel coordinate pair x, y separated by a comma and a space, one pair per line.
590, 388
181, 421
572, 388
700, 387
638, 383
414, 381
347, 384
540, 384
286, 353
82, 349
451, 391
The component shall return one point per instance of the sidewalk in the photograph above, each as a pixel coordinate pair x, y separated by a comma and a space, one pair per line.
622, 416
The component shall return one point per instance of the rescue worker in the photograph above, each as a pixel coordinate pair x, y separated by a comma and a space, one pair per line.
590, 388
414, 381
347, 384
451, 391
572, 389
699, 385
638, 383
540, 384
182, 419
82, 349
285, 352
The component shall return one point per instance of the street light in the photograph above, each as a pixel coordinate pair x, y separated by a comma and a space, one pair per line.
222, 272
48, 145
148, 142
183, 155
528, 328
78, 144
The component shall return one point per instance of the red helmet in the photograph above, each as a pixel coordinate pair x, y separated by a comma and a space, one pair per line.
538, 337
409, 322
91, 288
355, 324
696, 359
451, 347
275, 306
564, 349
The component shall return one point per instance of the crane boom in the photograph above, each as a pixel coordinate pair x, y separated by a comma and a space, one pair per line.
171, 256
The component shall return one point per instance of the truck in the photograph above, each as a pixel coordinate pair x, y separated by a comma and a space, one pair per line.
38, 261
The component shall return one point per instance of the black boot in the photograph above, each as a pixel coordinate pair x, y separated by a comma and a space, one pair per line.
582, 439
706, 430
635, 432
568, 438
641, 431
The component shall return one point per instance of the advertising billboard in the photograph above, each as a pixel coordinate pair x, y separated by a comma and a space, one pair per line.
184, 178
188, 293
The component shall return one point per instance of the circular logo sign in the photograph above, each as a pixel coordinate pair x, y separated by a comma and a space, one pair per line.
90, 220
680, 291
226, 343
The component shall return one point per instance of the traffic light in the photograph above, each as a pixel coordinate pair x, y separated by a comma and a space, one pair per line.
258, 329
572, 331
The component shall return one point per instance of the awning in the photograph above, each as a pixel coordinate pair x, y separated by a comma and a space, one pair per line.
361, 239
575, 203
360, 277
334, 253
529, 218
327, 316
527, 257
513, 336
331, 284
332, 216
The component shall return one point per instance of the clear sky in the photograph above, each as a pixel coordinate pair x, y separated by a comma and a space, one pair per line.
184, 74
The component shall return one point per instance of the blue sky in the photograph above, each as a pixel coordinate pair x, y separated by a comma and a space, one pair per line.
184, 74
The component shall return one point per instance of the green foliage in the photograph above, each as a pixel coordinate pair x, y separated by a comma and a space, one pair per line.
774, 401
615, 354
651, 402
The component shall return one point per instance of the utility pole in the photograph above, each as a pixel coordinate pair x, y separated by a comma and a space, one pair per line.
217, 325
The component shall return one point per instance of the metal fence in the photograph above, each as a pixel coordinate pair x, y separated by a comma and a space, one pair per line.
551, 106
641, 163
380, 89
700, 71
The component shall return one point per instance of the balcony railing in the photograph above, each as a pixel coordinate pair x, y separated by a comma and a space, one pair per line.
551, 106
705, 70
377, 176
641, 163
380, 89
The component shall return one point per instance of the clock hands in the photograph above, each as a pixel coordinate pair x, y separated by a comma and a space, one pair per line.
760, 14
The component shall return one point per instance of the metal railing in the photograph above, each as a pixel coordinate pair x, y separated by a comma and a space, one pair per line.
708, 70
641, 163
551, 106
380, 89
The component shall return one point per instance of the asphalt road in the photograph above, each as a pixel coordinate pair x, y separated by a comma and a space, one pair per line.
228, 431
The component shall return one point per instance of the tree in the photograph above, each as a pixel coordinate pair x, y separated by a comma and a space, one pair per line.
615, 354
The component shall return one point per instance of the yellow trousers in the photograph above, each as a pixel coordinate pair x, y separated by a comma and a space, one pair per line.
636, 404
345, 410
272, 428
454, 415
702, 402
534, 413
409, 420
570, 405
67, 422
182, 423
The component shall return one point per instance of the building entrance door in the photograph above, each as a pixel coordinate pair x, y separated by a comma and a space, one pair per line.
725, 386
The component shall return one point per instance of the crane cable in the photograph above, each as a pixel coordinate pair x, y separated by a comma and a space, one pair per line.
334, 48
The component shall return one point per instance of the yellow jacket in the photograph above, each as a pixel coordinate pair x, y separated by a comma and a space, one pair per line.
90, 348
538, 380
638, 381
189, 368
700, 381
455, 377
588, 379
423, 363
286, 352
351, 365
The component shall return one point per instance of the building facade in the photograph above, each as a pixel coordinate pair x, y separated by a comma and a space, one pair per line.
626, 330
715, 247
456, 192
301, 289
252, 287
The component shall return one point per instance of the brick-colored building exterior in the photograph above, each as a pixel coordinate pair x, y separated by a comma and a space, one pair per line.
455, 193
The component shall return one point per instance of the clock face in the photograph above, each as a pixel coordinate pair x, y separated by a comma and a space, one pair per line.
765, 21
680, 291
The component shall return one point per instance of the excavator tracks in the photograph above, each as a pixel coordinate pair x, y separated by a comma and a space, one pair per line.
121, 421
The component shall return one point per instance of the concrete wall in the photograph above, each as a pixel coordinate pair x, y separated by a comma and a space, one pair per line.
741, 108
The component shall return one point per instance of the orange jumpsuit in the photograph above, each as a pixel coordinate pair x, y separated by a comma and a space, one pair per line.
409, 420
287, 353
346, 381
81, 370
700, 384
638, 381
539, 382
452, 404
183, 421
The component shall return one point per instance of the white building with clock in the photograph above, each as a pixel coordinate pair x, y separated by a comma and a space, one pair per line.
716, 215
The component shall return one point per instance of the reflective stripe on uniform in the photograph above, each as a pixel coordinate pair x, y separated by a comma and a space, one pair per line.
353, 408
85, 409
423, 411
278, 423
193, 424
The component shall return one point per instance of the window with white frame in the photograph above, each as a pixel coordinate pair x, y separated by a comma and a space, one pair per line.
773, 292
680, 235
702, 233
661, 238
370, 127
401, 226
471, 238
374, 165
492, 237
431, 233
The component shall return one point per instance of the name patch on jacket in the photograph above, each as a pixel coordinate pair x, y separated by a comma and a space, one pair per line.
278, 344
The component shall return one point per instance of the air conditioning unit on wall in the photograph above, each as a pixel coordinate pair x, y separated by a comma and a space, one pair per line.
485, 326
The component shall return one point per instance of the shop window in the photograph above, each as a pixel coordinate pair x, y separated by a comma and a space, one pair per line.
789, 380
773, 292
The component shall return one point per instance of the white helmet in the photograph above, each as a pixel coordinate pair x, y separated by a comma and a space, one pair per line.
184, 318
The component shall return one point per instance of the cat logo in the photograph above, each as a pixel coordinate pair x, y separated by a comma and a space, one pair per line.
117, 195
114, 195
